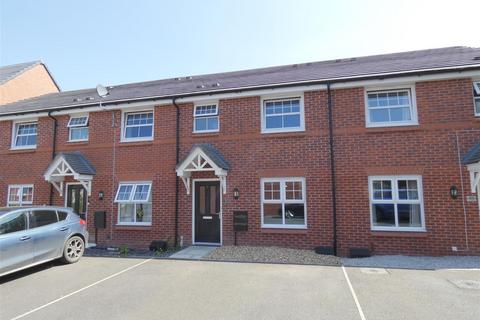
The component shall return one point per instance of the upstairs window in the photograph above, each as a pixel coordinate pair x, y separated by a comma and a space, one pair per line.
25, 135
390, 108
138, 126
396, 203
282, 115
135, 203
206, 118
78, 128
476, 97
20, 195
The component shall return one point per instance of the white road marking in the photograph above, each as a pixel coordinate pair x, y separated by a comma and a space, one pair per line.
359, 308
80, 290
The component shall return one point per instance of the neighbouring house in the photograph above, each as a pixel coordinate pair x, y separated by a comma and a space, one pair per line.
25, 80
378, 153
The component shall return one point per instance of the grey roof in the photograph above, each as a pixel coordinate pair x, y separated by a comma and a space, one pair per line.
403, 62
78, 162
473, 155
212, 153
12, 71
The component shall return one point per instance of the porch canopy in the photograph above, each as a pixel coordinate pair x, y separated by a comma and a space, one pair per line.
72, 164
203, 157
472, 161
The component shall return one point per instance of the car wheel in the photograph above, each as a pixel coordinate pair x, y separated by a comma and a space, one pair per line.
73, 250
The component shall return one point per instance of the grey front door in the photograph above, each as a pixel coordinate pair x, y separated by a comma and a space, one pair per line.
77, 199
207, 211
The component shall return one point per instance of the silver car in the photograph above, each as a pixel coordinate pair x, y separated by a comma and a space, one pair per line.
34, 235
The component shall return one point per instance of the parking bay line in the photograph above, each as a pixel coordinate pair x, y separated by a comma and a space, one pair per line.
354, 295
80, 290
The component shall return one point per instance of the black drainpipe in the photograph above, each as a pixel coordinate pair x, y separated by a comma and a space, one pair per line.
54, 146
177, 159
332, 167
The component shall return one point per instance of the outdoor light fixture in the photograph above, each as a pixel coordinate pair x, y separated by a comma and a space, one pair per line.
101, 195
453, 192
236, 193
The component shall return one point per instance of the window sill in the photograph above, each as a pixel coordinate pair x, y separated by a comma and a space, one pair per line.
133, 227
277, 134
400, 234
404, 127
270, 230
22, 150
200, 134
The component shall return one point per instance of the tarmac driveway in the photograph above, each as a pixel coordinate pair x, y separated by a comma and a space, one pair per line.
114, 288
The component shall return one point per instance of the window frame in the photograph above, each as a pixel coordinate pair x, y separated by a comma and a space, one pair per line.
413, 106
216, 115
395, 201
125, 114
292, 96
476, 89
20, 203
134, 185
78, 126
15, 128
283, 201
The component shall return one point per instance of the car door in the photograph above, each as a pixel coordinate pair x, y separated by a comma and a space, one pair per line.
16, 245
47, 233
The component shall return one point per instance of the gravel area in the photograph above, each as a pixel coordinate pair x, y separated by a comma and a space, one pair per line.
270, 255
419, 263
115, 252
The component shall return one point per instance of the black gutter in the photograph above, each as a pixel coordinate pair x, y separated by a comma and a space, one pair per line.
177, 159
54, 146
332, 168
241, 89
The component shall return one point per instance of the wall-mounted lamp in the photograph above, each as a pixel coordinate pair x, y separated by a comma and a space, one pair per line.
453, 192
236, 193
101, 195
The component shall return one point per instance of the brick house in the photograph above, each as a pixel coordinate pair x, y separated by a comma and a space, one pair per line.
25, 80
379, 153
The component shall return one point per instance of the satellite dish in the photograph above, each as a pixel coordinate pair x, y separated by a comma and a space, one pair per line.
102, 91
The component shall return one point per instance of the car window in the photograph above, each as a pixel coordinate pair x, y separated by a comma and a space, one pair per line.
39, 218
13, 222
62, 215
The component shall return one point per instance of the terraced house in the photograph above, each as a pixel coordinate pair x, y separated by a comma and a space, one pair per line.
379, 153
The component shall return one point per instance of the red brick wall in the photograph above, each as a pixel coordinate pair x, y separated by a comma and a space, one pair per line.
445, 112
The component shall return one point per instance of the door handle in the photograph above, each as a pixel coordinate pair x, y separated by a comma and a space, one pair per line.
63, 229
25, 238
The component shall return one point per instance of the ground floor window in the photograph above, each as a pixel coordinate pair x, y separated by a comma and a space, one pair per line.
20, 195
396, 203
134, 203
283, 203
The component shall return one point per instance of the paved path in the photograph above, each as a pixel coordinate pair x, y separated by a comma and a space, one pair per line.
117, 288
193, 252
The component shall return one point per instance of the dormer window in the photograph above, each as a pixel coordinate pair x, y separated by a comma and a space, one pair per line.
78, 128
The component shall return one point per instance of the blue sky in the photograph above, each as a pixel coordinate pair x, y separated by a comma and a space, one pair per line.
111, 42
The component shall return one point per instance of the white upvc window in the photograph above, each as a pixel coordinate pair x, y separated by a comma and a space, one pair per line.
20, 195
392, 107
24, 135
284, 114
137, 126
205, 118
134, 203
283, 203
476, 98
396, 203
78, 128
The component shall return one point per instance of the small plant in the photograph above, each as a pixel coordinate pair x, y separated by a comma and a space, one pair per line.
124, 250
158, 252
